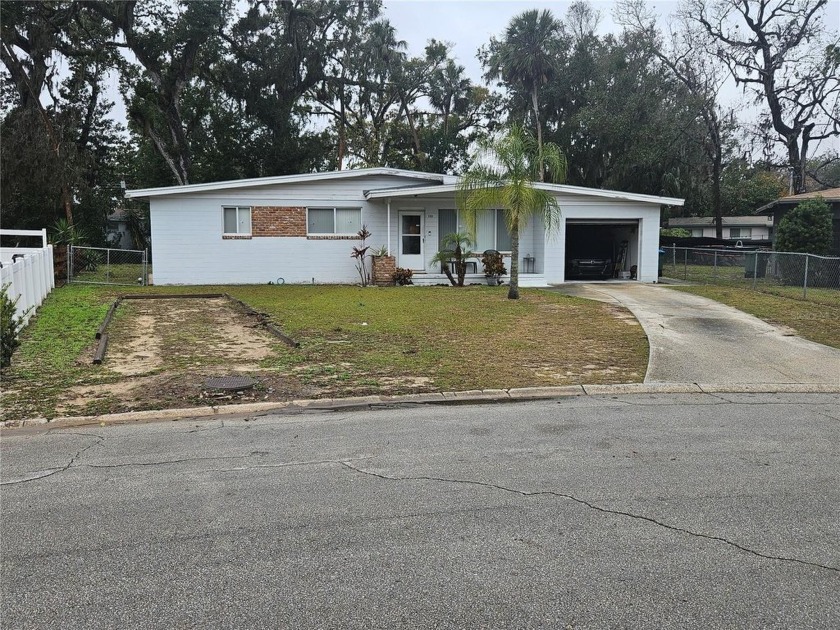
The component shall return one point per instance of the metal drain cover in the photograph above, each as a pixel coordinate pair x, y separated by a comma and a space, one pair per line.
231, 383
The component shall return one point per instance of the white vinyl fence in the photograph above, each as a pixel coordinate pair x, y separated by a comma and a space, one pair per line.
28, 272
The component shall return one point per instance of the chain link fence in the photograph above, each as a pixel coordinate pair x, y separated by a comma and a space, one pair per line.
100, 265
802, 276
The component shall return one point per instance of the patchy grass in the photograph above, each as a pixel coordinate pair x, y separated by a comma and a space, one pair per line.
734, 276
812, 320
354, 341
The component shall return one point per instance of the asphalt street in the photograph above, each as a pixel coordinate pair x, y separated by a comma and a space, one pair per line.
646, 511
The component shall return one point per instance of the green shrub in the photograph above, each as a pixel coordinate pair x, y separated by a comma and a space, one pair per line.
402, 276
806, 229
10, 326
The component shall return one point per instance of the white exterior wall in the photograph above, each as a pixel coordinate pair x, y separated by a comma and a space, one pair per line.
188, 247
187, 244
647, 215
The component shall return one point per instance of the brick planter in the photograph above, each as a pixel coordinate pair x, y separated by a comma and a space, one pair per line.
383, 269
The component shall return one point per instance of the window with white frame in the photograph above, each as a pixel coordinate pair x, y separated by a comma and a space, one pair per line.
491, 231
236, 220
740, 232
697, 231
346, 221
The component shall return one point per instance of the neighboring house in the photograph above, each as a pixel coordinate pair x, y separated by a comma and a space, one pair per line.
750, 228
779, 208
116, 230
301, 228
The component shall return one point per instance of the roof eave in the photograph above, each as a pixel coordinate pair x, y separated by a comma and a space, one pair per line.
146, 193
574, 190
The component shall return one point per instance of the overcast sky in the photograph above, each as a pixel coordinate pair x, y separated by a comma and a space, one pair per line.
469, 24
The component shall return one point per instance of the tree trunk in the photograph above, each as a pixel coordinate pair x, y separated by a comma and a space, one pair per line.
67, 203
535, 104
716, 169
796, 165
513, 291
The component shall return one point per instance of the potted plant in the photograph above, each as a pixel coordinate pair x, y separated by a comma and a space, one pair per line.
494, 267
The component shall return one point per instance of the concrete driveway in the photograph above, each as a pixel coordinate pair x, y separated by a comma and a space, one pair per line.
697, 340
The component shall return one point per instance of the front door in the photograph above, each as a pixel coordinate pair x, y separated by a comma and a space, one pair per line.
412, 241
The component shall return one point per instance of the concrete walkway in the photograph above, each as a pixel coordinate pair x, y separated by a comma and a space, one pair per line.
697, 340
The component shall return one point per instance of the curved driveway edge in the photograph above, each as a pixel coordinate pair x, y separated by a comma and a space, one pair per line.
697, 340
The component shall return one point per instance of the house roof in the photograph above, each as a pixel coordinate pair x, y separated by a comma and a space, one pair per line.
830, 195
146, 193
442, 184
742, 221
449, 188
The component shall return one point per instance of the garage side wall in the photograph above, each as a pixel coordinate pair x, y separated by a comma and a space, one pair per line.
604, 209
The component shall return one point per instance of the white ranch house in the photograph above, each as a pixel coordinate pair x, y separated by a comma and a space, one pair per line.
301, 228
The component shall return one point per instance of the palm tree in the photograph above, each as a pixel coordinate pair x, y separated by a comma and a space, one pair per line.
527, 58
502, 176
456, 248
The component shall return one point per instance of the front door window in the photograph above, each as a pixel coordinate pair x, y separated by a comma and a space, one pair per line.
411, 240
411, 234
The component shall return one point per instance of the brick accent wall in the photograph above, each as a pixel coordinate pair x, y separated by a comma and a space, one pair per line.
383, 269
278, 221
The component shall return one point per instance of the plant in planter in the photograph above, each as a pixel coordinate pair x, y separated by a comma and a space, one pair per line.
494, 267
459, 243
383, 266
360, 253
403, 276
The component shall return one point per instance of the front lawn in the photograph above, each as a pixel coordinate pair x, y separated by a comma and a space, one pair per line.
353, 341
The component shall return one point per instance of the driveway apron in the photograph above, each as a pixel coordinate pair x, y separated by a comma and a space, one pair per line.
697, 340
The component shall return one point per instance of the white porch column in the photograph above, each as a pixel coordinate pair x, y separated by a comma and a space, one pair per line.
389, 226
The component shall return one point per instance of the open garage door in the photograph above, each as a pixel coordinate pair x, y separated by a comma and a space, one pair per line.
601, 250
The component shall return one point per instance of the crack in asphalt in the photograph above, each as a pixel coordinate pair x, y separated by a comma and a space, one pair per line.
312, 462
827, 415
72, 463
592, 506
49, 472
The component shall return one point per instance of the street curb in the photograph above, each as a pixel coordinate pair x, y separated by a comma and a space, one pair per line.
482, 396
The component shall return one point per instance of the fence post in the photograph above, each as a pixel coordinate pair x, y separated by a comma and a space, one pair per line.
69, 260
755, 268
685, 264
714, 271
145, 267
805, 280
108, 265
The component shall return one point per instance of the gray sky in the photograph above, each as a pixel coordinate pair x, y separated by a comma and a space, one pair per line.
469, 24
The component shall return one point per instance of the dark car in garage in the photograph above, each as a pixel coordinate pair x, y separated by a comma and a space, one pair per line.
583, 268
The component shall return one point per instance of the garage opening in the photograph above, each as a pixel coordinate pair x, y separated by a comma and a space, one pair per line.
602, 250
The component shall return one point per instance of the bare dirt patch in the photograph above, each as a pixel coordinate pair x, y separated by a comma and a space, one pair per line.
161, 352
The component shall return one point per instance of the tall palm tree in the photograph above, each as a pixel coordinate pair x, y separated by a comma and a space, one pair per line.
502, 176
526, 59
